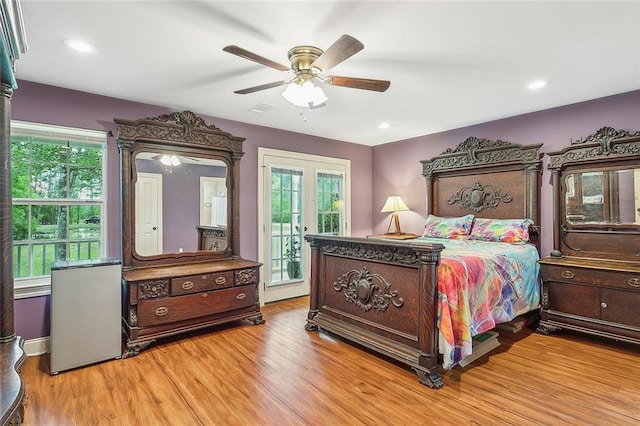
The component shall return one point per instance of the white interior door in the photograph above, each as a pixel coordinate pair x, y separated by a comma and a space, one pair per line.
148, 215
298, 194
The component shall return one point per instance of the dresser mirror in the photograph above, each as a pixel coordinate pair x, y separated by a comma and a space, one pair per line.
181, 177
591, 280
596, 184
175, 196
179, 196
602, 197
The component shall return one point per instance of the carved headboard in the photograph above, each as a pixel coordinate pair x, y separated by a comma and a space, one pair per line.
490, 179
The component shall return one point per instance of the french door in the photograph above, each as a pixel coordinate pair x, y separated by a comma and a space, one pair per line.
299, 194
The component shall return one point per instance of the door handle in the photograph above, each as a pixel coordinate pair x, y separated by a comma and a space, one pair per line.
154, 228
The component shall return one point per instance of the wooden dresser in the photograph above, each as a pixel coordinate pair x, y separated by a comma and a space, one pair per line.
599, 297
591, 280
162, 301
167, 291
12, 392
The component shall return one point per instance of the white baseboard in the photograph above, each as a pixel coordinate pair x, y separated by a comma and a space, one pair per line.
38, 346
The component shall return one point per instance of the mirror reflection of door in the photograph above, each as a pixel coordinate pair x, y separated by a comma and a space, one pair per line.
148, 214
299, 194
213, 213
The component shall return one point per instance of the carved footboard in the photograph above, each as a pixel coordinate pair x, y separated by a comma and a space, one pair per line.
381, 294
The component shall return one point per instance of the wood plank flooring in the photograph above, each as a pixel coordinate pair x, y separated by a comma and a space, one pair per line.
280, 374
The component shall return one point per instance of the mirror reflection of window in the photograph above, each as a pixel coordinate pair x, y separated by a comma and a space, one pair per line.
611, 197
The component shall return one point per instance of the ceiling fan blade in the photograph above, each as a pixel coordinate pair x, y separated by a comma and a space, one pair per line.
358, 83
345, 47
239, 51
261, 87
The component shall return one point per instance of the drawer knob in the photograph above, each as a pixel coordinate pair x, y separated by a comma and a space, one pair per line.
568, 274
187, 285
162, 311
241, 296
205, 295
603, 305
634, 282
221, 280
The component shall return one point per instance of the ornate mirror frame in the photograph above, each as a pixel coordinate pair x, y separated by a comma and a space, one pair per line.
185, 134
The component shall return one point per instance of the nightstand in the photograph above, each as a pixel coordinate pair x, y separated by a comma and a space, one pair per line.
403, 236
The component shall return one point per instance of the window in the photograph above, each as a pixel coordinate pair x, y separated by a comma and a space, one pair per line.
329, 203
58, 192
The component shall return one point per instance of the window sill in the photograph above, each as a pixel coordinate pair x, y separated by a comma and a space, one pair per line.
31, 290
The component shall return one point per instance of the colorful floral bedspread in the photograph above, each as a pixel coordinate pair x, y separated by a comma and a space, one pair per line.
481, 284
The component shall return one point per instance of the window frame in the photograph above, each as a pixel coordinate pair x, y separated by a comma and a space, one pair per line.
41, 285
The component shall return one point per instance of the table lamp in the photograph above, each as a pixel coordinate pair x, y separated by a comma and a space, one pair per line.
394, 204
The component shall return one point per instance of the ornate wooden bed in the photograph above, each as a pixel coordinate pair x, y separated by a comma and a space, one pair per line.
383, 293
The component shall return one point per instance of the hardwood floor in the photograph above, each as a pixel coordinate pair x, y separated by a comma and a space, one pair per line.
278, 373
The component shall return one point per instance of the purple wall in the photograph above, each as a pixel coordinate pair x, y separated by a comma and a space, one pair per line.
398, 170
376, 172
53, 105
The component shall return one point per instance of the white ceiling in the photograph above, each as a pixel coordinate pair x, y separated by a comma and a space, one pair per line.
450, 63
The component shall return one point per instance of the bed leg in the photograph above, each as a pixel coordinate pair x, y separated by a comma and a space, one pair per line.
546, 329
310, 326
432, 380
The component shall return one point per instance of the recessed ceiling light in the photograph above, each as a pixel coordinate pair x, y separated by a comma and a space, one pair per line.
79, 46
384, 125
536, 84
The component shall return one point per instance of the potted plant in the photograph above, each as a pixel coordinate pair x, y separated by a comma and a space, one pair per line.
292, 254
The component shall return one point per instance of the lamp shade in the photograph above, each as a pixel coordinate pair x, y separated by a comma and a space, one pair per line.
394, 204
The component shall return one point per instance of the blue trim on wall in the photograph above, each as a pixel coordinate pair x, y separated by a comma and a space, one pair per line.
6, 70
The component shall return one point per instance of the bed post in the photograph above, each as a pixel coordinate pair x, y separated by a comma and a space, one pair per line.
427, 317
428, 201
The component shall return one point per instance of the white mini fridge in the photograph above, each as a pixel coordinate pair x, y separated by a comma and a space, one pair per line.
85, 313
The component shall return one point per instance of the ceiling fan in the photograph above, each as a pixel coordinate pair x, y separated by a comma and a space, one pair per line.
307, 63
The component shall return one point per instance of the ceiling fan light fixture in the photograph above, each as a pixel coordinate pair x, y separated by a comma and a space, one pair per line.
305, 95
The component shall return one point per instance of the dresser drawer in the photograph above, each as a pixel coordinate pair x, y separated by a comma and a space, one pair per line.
198, 283
599, 277
179, 308
620, 307
575, 299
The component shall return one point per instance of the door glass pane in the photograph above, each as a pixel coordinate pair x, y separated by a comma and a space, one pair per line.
330, 203
286, 229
